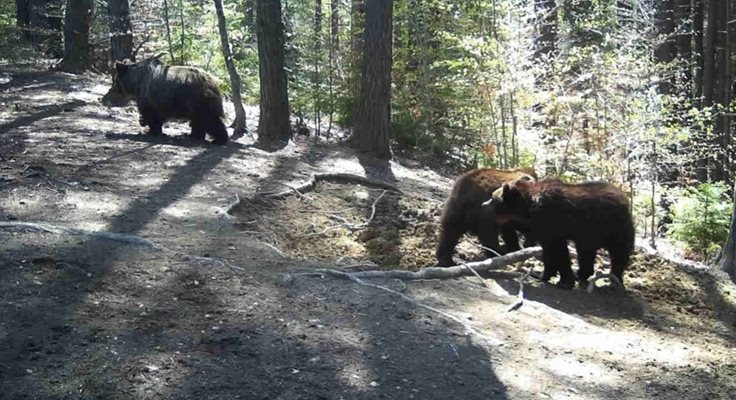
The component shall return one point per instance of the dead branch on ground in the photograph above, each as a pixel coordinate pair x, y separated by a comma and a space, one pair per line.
450, 272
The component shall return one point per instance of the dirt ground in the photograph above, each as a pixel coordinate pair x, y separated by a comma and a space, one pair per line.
212, 305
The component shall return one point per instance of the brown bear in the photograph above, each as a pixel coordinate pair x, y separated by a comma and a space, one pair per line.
593, 215
164, 92
463, 212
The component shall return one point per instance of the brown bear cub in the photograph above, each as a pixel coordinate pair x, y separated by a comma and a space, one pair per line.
164, 92
593, 215
464, 213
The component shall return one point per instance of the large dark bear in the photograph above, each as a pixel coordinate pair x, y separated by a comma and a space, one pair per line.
164, 92
463, 213
594, 215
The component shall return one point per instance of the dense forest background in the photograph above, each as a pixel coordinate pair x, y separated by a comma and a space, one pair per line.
634, 92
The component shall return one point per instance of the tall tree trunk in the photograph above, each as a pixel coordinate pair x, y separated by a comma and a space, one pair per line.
76, 35
335, 24
41, 23
121, 32
666, 52
182, 60
317, 61
709, 67
701, 162
371, 133
167, 23
723, 93
273, 122
357, 30
239, 124
334, 52
250, 9
683, 15
546, 21
727, 259
23, 17
697, 58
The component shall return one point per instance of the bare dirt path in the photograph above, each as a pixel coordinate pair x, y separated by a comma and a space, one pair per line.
216, 310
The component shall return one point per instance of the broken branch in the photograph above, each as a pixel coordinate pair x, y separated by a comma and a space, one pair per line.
451, 272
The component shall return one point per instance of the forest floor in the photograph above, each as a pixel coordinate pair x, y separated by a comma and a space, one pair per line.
211, 305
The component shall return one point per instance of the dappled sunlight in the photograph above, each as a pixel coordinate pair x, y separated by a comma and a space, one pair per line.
357, 376
189, 301
570, 367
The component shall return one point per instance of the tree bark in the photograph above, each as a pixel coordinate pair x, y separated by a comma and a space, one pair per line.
250, 9
23, 17
683, 14
273, 123
76, 35
121, 32
709, 73
698, 53
317, 61
727, 258
41, 23
357, 30
167, 23
723, 94
334, 52
182, 35
371, 133
666, 52
240, 125
546, 16
335, 24
709, 46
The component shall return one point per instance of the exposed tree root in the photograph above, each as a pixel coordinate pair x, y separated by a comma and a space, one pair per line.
331, 177
353, 227
131, 240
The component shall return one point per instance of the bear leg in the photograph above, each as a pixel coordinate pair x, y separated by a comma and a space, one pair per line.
510, 238
198, 129
488, 237
155, 127
556, 258
619, 259
148, 116
449, 236
586, 261
217, 130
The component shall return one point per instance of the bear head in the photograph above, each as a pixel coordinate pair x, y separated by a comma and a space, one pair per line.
511, 202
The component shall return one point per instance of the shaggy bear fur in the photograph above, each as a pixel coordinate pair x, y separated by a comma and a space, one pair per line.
464, 213
164, 92
593, 215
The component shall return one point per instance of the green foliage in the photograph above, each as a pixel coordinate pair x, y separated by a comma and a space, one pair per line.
7, 24
701, 218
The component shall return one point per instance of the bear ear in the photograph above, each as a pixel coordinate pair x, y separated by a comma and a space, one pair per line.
506, 189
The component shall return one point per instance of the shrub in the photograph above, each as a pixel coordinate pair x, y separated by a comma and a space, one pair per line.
700, 219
